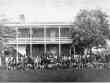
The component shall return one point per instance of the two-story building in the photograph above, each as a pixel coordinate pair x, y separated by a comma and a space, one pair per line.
35, 39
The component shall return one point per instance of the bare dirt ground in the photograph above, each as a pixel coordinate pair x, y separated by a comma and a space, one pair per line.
56, 76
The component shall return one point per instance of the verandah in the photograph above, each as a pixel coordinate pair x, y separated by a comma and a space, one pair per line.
45, 39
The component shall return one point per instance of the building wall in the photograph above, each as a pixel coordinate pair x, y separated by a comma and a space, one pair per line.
39, 32
65, 49
52, 32
38, 49
23, 33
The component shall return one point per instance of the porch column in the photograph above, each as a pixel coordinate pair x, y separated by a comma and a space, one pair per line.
74, 50
30, 40
59, 40
25, 42
70, 51
45, 46
17, 43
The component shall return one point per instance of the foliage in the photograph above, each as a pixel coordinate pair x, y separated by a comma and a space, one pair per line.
91, 29
5, 34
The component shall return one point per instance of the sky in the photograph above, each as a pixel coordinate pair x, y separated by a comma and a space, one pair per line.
49, 10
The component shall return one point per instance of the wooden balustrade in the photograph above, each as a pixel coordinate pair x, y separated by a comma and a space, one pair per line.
40, 40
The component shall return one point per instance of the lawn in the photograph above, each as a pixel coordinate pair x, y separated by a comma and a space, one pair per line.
56, 76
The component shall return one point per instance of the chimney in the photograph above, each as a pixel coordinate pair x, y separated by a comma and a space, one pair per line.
22, 18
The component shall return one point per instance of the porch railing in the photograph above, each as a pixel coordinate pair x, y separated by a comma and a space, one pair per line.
39, 40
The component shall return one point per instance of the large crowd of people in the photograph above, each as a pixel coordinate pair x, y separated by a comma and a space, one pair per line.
49, 61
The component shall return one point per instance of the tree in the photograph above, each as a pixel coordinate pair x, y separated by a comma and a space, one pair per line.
91, 28
6, 33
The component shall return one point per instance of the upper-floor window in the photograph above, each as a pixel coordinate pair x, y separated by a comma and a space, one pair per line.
8, 32
65, 32
37, 32
23, 32
52, 32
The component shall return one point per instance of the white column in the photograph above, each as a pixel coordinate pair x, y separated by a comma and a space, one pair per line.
30, 40
70, 51
74, 50
59, 40
17, 43
25, 42
45, 46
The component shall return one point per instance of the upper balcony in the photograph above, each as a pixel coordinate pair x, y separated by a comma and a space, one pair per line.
50, 34
57, 40
41, 32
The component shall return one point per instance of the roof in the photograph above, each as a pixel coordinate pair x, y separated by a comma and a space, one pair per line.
37, 24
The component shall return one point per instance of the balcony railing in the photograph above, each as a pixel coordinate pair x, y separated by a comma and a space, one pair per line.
40, 40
